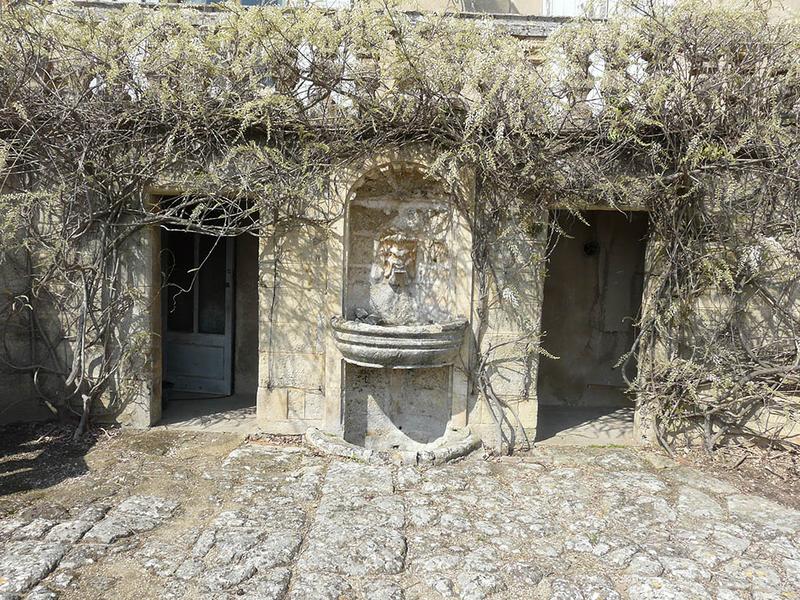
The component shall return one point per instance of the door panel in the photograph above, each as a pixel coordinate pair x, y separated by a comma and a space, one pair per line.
196, 361
213, 288
198, 313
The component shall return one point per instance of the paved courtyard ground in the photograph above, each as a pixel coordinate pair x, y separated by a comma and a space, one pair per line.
166, 514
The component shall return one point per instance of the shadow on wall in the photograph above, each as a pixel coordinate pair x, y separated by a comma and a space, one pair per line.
39, 456
397, 408
54, 314
18, 400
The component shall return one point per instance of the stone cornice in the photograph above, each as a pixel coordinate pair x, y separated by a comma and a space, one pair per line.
522, 26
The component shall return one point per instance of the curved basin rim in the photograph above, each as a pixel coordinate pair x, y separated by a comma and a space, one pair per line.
372, 365
344, 325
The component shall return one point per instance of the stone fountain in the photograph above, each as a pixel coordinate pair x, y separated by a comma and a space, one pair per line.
401, 336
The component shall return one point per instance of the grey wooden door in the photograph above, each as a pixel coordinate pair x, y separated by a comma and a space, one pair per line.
197, 311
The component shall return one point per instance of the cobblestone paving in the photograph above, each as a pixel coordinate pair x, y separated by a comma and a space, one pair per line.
166, 515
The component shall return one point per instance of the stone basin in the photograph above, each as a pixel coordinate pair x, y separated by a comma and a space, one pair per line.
398, 346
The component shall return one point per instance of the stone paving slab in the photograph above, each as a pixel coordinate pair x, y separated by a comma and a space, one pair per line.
174, 515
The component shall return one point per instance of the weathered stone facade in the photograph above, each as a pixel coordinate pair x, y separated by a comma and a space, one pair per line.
394, 252
310, 275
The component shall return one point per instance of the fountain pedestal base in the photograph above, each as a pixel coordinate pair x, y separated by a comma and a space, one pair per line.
455, 443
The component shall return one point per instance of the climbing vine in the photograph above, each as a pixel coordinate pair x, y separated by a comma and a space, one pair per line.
690, 112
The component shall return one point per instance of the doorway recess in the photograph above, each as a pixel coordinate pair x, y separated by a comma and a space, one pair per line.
198, 315
592, 297
209, 319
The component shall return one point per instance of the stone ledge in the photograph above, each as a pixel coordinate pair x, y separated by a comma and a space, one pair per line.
524, 26
297, 427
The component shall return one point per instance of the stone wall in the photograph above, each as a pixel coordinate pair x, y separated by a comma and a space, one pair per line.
763, 313
302, 281
135, 397
132, 396
292, 325
510, 330
245, 352
18, 400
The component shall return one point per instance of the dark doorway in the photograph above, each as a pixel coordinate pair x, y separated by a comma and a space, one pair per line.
210, 331
592, 296
198, 313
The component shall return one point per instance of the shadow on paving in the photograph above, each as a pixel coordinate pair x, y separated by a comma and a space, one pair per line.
40, 455
581, 426
196, 412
